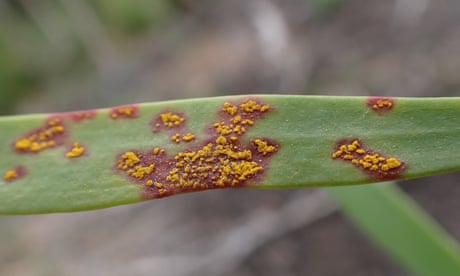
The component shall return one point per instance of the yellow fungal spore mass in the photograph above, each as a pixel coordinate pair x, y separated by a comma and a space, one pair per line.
366, 159
76, 151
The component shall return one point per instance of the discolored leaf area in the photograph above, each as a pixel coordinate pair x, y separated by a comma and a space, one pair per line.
101, 158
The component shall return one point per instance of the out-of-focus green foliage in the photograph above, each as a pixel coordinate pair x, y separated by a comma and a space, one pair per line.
393, 221
133, 16
328, 6
12, 79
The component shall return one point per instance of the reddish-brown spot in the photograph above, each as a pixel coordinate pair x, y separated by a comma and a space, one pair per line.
168, 120
14, 174
79, 116
174, 123
221, 161
371, 162
381, 104
52, 134
124, 112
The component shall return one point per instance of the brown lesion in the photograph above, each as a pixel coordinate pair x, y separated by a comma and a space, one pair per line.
51, 135
174, 123
221, 161
79, 116
381, 104
124, 112
371, 162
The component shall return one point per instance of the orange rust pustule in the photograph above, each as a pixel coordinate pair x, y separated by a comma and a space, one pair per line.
376, 165
168, 120
207, 167
52, 134
14, 174
221, 161
77, 150
124, 112
381, 105
174, 123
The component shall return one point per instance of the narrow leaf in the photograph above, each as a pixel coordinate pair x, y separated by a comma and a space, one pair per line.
101, 158
400, 227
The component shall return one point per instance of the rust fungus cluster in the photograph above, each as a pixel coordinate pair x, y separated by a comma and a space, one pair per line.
14, 174
75, 151
371, 162
52, 134
222, 161
380, 104
124, 112
173, 123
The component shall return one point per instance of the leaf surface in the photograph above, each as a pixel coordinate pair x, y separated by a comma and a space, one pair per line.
286, 142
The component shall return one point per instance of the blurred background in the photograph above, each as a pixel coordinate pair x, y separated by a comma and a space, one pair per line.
62, 55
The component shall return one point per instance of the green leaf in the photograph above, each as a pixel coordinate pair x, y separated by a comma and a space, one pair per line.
400, 227
290, 145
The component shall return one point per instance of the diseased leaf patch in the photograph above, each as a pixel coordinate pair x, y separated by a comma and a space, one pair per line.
173, 123
77, 150
82, 115
369, 161
14, 174
222, 161
381, 105
124, 112
52, 134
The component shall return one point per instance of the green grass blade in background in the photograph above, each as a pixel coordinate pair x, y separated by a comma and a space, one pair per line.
107, 157
393, 221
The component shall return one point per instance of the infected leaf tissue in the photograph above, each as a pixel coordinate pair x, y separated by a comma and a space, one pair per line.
369, 161
222, 161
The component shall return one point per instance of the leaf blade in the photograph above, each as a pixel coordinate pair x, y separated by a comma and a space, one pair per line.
421, 132
395, 223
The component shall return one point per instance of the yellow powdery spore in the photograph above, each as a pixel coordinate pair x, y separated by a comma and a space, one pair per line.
42, 139
222, 162
128, 160
365, 159
188, 137
241, 118
176, 138
10, 175
140, 172
263, 147
214, 164
171, 120
157, 151
130, 163
123, 112
382, 104
251, 106
76, 151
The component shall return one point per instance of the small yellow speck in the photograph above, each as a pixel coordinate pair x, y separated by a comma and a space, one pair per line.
76, 151
221, 140
170, 119
188, 137
263, 147
176, 138
11, 175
